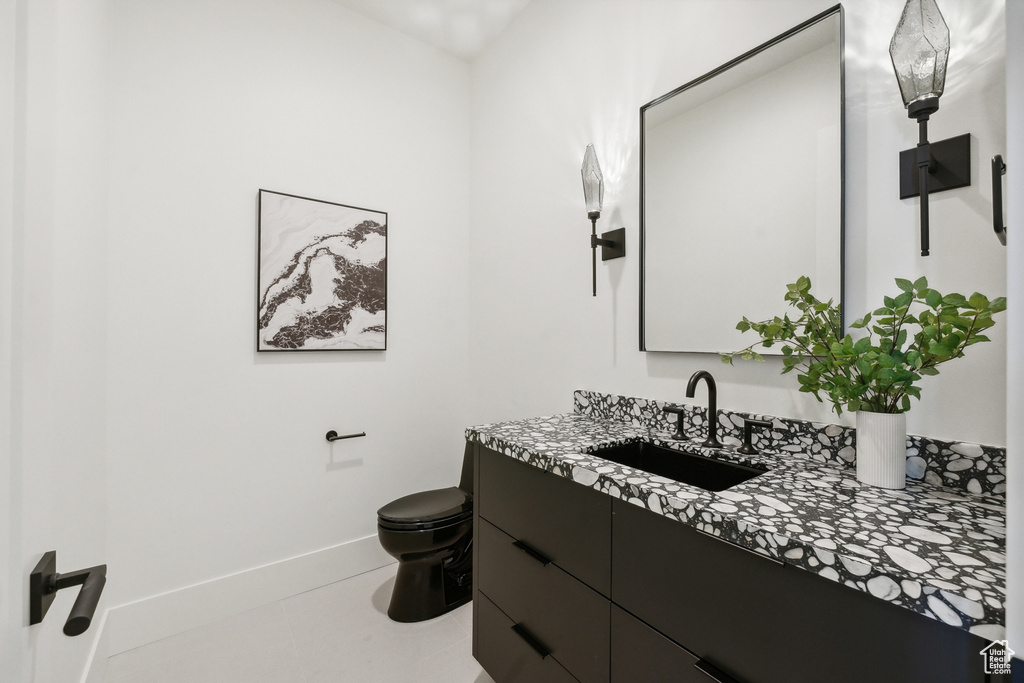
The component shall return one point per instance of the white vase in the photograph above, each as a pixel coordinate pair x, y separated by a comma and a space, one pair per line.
882, 449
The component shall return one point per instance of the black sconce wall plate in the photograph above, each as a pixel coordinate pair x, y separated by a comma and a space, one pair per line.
613, 244
950, 169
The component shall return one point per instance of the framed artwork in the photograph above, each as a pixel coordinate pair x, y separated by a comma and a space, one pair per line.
322, 275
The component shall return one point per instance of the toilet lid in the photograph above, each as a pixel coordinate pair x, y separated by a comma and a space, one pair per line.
427, 506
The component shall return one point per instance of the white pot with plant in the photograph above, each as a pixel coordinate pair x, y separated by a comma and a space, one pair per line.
876, 374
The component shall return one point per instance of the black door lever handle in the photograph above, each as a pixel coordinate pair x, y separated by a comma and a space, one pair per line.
44, 582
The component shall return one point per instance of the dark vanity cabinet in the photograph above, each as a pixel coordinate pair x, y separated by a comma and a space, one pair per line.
570, 584
758, 620
542, 574
639, 653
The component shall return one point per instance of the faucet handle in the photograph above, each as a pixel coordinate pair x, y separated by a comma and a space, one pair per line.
678, 412
748, 427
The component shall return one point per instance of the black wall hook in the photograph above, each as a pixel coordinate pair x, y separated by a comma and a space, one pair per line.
998, 171
44, 582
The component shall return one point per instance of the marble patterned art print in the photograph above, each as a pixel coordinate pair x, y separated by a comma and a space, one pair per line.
322, 279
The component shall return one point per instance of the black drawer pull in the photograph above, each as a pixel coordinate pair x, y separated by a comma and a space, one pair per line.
713, 673
739, 547
532, 553
537, 646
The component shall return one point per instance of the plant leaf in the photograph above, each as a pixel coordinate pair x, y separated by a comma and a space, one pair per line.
918, 330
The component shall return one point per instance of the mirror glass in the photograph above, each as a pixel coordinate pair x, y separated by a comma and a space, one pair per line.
742, 191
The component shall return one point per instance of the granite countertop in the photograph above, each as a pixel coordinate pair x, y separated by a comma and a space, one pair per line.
935, 550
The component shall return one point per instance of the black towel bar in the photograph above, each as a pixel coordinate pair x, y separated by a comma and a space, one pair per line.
333, 436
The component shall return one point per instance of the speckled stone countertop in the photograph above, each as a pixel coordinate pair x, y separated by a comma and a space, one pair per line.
933, 549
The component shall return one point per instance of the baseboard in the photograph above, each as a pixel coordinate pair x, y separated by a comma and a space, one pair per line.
145, 621
96, 664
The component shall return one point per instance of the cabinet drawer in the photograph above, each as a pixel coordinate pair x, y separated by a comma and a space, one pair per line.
505, 654
567, 522
639, 653
757, 620
567, 616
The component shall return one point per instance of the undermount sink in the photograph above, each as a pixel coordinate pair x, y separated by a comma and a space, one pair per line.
695, 470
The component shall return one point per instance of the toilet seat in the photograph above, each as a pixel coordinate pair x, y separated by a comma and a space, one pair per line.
426, 510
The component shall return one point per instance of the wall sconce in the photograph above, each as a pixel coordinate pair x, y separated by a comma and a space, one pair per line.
613, 243
919, 51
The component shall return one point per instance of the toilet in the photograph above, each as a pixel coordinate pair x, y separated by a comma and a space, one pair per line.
430, 533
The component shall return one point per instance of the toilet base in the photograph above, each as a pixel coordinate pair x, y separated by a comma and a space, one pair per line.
435, 556
425, 590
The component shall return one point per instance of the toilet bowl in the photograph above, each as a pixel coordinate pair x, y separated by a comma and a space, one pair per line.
430, 534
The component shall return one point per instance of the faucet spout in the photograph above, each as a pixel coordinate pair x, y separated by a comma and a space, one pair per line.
691, 388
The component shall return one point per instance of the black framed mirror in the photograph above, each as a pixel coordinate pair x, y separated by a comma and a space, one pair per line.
741, 190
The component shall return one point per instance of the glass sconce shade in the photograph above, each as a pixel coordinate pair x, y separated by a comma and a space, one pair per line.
919, 51
593, 182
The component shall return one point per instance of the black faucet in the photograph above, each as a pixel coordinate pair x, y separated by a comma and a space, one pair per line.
712, 440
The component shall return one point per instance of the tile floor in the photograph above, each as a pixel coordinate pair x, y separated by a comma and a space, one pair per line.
336, 634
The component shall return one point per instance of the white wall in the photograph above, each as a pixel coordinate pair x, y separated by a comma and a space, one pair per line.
1014, 199
217, 457
54, 317
570, 72
138, 408
10, 616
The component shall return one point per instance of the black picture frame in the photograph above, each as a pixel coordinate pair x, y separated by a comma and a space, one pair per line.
321, 281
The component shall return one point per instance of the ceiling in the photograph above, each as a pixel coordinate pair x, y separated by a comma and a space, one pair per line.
461, 27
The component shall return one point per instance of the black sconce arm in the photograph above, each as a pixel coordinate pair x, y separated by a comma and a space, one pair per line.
932, 167
924, 166
612, 243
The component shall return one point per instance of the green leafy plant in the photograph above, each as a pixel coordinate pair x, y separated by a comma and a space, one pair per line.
917, 330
